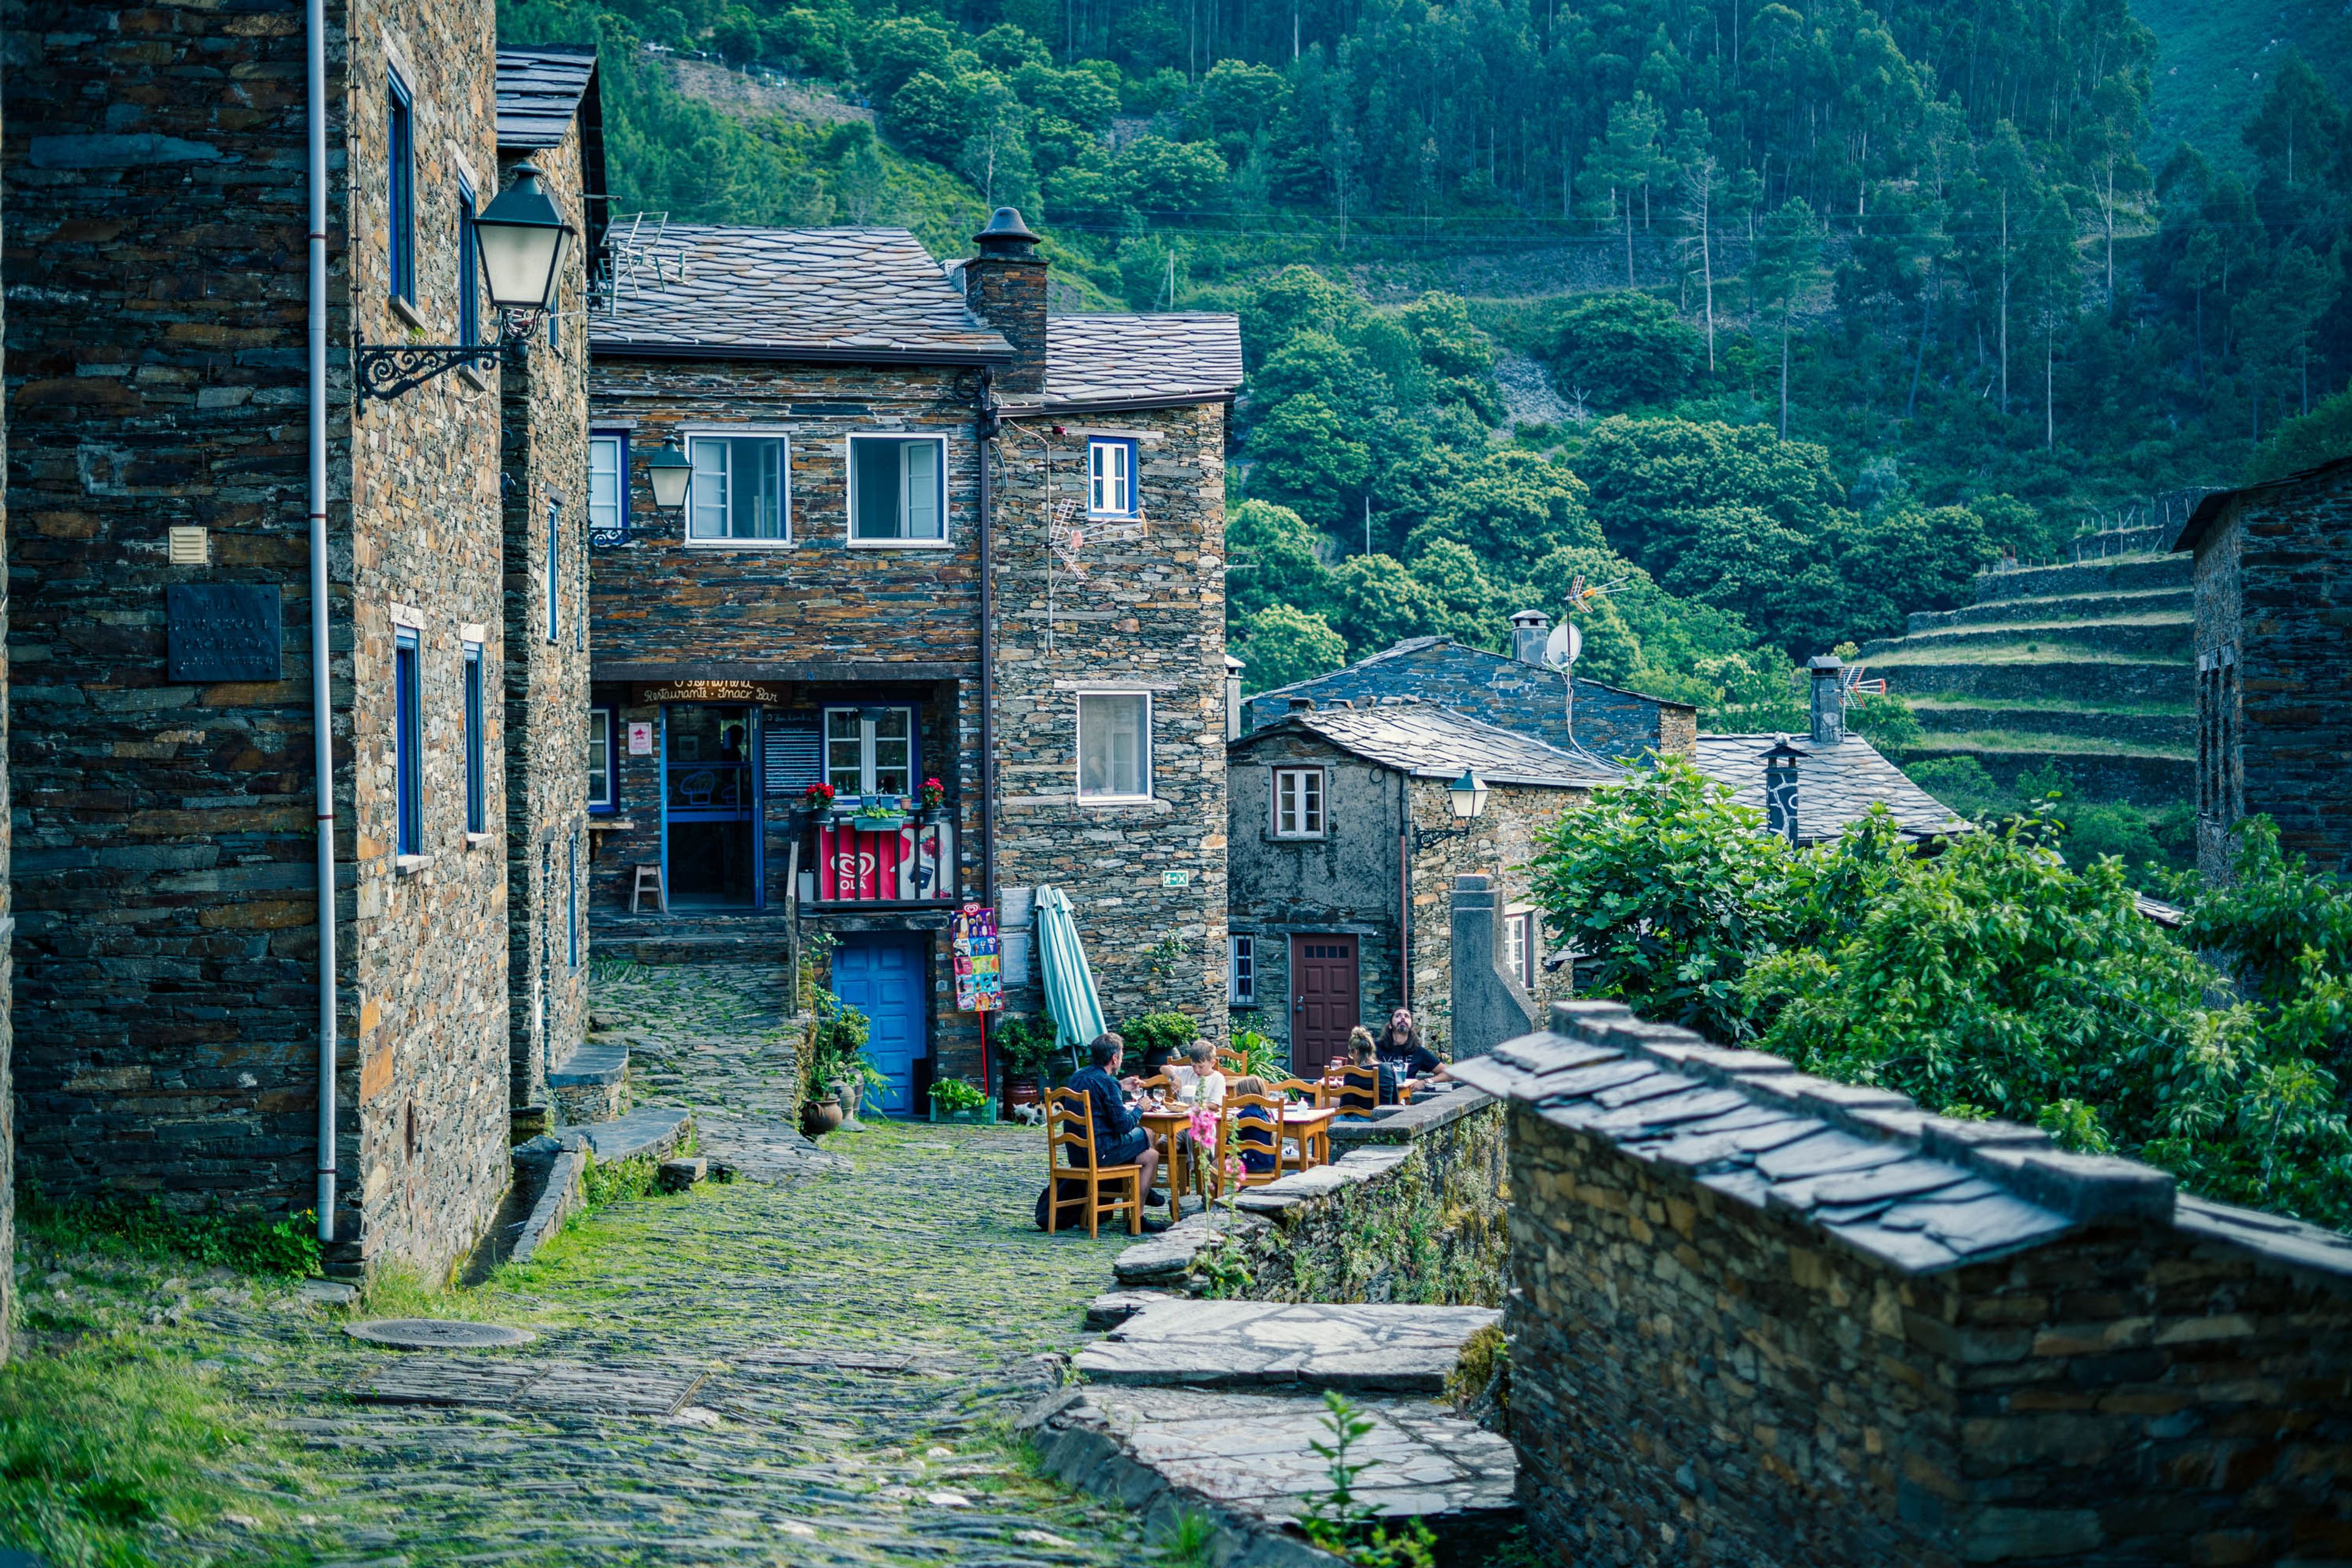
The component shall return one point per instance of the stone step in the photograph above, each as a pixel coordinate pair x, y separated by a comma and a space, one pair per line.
1995, 673
2062, 607
1401, 1349
2080, 725
2122, 573
2164, 637
591, 1085
655, 1131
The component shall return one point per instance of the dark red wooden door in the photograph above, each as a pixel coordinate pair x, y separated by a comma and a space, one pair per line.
1322, 999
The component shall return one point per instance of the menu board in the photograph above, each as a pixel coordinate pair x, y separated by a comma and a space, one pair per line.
979, 968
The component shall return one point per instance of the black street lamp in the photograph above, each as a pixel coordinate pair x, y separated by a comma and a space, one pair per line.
522, 241
1467, 797
669, 470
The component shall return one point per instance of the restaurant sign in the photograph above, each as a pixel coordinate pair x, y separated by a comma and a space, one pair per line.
767, 694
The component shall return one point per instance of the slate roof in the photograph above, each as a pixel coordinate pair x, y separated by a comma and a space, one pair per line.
2210, 508
1181, 357
539, 93
1863, 1165
864, 295
1836, 785
1432, 743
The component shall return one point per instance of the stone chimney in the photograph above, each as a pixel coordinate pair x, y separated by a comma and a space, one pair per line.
1005, 286
1781, 790
1529, 631
1829, 700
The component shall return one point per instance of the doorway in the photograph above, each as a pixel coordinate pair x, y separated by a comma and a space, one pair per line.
710, 805
881, 975
1322, 999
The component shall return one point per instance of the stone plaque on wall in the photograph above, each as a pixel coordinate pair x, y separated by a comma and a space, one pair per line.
224, 631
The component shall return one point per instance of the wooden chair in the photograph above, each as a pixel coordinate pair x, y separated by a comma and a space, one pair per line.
1359, 1091
1239, 1135
1233, 1064
1315, 1092
648, 873
1070, 1125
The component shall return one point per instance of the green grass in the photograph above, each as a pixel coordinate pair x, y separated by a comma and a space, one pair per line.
282, 1245
2034, 650
2041, 744
1956, 704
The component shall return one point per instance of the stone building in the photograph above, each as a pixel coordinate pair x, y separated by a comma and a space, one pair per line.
549, 117
1345, 852
8, 916
921, 526
1831, 777
1761, 1318
1519, 692
2273, 637
182, 750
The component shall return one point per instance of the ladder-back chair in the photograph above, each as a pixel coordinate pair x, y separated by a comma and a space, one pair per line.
1070, 1129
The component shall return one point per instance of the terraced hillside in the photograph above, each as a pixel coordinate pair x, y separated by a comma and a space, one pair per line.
2089, 665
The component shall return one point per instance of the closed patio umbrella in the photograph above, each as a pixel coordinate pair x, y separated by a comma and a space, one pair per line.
1069, 983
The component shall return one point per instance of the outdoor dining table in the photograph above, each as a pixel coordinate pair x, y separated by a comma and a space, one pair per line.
1311, 1124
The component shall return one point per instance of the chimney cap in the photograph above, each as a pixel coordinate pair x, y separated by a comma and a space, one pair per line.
1005, 234
1534, 620
1823, 663
1233, 666
1302, 705
1784, 750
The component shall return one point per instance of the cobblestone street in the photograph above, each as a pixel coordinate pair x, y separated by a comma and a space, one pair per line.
861, 1336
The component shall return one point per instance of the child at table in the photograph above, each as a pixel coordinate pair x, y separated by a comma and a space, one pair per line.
1200, 1083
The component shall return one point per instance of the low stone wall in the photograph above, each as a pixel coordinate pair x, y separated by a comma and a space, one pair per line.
1760, 1318
1410, 1210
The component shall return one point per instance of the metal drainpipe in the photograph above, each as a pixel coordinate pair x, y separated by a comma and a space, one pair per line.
987, 647
1404, 891
322, 692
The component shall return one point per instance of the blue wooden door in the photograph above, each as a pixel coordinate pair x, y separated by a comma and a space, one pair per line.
882, 977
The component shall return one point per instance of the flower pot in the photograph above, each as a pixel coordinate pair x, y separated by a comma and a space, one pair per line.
819, 1117
878, 824
1024, 1088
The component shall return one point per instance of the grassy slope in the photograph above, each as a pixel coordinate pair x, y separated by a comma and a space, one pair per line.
2215, 58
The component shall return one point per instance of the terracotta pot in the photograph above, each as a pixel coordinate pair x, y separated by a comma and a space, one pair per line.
1023, 1089
819, 1117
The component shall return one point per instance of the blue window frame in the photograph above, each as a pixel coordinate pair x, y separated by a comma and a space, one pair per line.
469, 315
400, 142
554, 574
477, 795
1110, 477
407, 745
608, 487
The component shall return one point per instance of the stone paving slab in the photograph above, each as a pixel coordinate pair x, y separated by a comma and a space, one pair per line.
510, 1382
1324, 1346
595, 1063
1248, 1461
743, 1149
655, 1132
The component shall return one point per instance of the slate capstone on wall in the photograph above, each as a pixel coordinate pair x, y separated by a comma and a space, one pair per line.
155, 169
1760, 1318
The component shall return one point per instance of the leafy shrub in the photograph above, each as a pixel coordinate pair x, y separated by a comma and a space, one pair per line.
952, 1096
285, 1246
1165, 1032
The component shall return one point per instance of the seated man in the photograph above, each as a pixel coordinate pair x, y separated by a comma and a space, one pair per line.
1121, 1137
1402, 1043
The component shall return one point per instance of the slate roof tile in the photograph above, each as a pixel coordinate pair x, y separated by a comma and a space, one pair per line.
1109, 358
539, 93
854, 294
1433, 742
1836, 785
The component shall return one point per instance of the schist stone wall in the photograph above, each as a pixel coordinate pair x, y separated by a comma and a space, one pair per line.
8, 919
1133, 607
1510, 693
1346, 882
544, 406
154, 166
799, 623
1759, 1318
2273, 608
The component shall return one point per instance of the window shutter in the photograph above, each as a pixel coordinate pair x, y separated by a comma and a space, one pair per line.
794, 754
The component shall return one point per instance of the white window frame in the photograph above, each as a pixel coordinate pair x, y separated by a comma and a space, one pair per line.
1240, 970
1079, 770
777, 433
1319, 808
618, 441
1101, 497
1519, 945
601, 746
849, 461
865, 744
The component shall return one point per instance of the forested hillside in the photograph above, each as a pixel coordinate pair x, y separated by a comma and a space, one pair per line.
1775, 323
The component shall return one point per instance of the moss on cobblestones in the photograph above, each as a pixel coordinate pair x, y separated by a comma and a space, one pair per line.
923, 1247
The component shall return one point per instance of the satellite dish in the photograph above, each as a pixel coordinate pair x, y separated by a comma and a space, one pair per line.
1561, 648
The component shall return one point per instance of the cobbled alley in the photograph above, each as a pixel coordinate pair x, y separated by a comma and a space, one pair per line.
845, 1342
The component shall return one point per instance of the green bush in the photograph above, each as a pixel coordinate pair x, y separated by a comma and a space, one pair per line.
1149, 1032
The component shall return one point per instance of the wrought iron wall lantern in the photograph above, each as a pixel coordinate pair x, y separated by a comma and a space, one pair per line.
1468, 797
669, 471
522, 241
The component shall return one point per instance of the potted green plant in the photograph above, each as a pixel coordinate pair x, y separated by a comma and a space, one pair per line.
935, 801
1024, 1045
879, 816
952, 1100
1153, 1037
837, 1052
